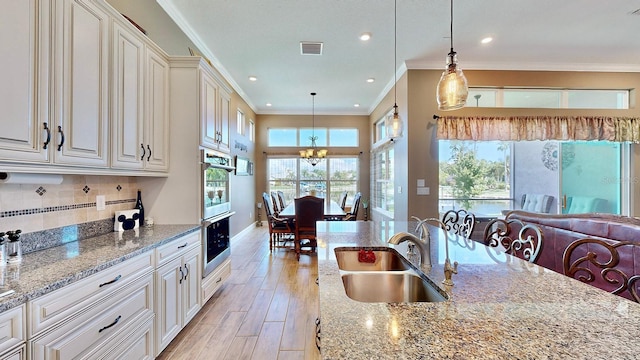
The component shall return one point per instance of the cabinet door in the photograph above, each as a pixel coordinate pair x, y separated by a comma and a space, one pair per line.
81, 63
191, 285
23, 88
169, 302
156, 137
208, 111
128, 149
223, 121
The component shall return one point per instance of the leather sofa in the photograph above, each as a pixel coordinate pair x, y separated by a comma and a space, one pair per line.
611, 232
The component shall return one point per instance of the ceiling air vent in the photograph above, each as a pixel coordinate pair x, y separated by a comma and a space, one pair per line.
310, 48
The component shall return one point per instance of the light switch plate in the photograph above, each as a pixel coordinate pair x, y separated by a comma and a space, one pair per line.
101, 203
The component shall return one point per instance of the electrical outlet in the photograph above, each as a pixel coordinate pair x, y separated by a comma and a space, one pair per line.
100, 202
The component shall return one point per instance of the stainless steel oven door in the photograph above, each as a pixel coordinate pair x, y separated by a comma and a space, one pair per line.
216, 243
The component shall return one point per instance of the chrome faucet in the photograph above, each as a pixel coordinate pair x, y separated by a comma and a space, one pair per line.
423, 244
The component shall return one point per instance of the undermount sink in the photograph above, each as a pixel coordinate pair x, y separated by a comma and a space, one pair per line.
391, 287
386, 259
381, 274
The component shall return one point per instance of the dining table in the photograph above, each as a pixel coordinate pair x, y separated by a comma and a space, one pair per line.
331, 210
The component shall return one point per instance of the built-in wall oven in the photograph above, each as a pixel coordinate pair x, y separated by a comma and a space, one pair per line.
216, 208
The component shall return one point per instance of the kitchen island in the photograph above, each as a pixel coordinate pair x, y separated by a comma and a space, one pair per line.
500, 307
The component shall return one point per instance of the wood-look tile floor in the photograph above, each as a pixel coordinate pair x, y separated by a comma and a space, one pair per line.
265, 310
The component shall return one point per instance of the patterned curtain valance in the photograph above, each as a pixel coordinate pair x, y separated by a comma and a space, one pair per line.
517, 128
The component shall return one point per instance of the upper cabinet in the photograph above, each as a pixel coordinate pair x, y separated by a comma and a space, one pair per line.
214, 111
83, 91
80, 83
140, 126
24, 86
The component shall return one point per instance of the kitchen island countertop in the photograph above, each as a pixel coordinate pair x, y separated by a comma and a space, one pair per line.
500, 307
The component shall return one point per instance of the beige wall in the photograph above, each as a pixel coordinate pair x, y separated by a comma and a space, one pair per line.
418, 148
327, 121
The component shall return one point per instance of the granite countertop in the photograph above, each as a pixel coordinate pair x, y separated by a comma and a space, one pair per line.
500, 307
47, 270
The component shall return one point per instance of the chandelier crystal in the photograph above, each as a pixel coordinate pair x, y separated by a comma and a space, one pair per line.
313, 155
452, 87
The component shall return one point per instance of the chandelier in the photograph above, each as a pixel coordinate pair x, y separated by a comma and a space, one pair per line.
313, 155
452, 87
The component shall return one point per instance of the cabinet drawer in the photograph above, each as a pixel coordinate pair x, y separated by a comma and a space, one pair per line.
16, 354
85, 337
137, 345
12, 329
75, 298
176, 248
212, 283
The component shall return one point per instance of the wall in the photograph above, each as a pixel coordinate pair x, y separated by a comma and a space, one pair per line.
420, 146
265, 122
40, 207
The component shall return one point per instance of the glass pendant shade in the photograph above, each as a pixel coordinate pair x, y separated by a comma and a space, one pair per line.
452, 87
393, 124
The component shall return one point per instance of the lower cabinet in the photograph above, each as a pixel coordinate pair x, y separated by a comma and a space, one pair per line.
13, 334
178, 293
97, 333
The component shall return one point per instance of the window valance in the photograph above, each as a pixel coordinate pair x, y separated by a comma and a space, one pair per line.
517, 128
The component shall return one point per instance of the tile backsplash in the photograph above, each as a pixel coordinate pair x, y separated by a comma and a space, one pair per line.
36, 207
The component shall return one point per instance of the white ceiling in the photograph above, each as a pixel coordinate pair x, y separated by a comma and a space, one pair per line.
262, 38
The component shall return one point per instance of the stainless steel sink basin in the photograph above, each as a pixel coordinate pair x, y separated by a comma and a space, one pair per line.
386, 259
390, 287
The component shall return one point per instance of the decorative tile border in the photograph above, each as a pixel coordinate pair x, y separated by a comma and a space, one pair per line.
48, 209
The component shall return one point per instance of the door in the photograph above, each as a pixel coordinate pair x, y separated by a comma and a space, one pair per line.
191, 284
590, 177
169, 304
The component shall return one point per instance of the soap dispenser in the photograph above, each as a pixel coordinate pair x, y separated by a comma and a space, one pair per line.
14, 247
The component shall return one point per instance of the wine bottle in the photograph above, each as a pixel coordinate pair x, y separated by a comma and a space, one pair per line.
141, 208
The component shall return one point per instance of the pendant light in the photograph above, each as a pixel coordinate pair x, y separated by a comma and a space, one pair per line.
452, 87
313, 155
393, 123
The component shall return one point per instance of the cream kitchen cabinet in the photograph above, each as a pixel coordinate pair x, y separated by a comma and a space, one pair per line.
96, 316
178, 281
13, 334
214, 111
140, 89
54, 92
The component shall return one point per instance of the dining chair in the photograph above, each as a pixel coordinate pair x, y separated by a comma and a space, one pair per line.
352, 215
459, 222
517, 238
342, 200
281, 231
607, 265
276, 203
281, 200
309, 209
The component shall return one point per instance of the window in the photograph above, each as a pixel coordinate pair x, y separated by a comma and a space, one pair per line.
240, 122
383, 184
328, 179
380, 130
475, 176
535, 98
343, 137
252, 131
283, 137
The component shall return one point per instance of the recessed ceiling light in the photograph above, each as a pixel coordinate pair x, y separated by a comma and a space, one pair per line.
370, 80
356, 105
365, 36
486, 40
252, 78
268, 104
